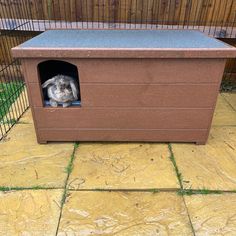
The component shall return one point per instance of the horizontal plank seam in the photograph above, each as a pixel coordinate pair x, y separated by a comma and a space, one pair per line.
125, 83
165, 84
119, 108
113, 129
138, 106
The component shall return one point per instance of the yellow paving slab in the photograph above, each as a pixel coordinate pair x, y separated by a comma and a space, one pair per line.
15, 111
212, 214
210, 166
25, 163
18, 106
124, 214
29, 212
224, 114
122, 166
26, 118
222, 105
231, 99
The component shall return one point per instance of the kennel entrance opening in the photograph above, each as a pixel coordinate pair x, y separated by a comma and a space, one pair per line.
50, 68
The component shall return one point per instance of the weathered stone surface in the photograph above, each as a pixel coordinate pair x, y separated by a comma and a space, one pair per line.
124, 213
25, 163
122, 166
210, 166
14, 112
224, 114
213, 214
26, 118
231, 99
29, 212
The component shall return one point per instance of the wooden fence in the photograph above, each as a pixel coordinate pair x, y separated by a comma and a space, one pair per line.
172, 12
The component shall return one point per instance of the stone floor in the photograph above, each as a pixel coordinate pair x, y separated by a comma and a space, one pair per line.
120, 189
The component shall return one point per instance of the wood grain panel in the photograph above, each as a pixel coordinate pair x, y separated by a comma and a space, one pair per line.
136, 95
30, 67
149, 95
123, 118
150, 70
139, 70
199, 136
36, 94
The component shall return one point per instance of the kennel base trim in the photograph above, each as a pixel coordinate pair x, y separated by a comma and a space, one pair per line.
135, 85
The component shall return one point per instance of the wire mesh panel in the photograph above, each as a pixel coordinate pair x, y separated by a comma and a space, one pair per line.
214, 17
23, 19
13, 97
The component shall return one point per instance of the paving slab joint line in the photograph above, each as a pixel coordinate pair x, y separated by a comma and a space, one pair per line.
224, 125
37, 187
181, 192
189, 192
228, 102
172, 159
151, 190
189, 218
180, 179
23, 123
68, 170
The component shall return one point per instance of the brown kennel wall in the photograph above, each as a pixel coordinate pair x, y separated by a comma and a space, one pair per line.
153, 93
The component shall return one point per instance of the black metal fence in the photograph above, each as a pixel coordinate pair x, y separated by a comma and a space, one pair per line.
23, 19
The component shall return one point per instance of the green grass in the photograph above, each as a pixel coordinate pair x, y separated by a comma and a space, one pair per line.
37, 187
153, 190
172, 158
9, 92
68, 170
190, 192
10, 121
70, 166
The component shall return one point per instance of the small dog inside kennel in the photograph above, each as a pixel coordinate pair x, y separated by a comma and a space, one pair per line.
60, 83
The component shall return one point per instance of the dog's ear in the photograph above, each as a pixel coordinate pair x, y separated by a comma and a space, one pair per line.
49, 81
74, 89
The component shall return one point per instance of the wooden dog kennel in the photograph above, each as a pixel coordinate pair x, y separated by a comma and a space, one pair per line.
135, 85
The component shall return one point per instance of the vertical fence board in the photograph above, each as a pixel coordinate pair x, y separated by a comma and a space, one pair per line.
183, 12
